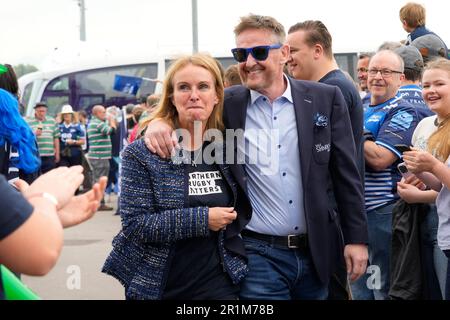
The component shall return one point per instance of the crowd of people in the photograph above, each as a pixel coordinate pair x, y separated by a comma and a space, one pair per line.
276, 179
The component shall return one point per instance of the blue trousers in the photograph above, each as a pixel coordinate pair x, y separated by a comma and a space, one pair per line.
279, 273
375, 283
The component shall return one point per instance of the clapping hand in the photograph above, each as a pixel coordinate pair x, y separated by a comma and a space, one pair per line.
62, 183
81, 208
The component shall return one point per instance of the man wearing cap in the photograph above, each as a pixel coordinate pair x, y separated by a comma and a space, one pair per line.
72, 138
410, 89
47, 136
431, 47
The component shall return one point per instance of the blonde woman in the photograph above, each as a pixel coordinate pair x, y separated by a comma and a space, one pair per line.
434, 170
71, 138
179, 237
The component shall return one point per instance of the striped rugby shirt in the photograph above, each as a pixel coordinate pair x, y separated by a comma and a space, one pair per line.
392, 122
99, 139
50, 132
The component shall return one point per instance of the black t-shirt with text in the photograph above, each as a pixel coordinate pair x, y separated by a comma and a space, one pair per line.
196, 271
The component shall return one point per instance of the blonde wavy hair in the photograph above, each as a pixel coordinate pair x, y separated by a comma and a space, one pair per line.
439, 141
167, 111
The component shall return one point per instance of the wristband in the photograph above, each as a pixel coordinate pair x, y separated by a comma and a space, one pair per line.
45, 195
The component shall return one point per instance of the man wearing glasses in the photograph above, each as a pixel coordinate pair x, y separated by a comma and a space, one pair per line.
288, 230
389, 120
362, 68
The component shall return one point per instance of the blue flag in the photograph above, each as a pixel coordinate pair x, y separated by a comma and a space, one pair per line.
126, 84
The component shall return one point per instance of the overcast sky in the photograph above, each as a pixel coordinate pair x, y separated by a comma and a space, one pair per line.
30, 30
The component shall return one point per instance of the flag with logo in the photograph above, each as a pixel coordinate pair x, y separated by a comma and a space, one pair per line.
127, 84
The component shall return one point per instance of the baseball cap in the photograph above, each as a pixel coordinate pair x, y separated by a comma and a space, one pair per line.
40, 104
411, 57
430, 46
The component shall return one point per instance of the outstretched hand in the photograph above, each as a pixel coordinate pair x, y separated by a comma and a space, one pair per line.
82, 207
61, 183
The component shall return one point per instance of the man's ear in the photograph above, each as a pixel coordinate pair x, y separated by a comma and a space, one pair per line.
318, 51
285, 51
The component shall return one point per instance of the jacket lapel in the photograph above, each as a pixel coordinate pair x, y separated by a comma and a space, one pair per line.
235, 114
304, 106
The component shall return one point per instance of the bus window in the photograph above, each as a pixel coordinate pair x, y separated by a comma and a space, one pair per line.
85, 102
59, 84
55, 103
25, 98
101, 81
56, 94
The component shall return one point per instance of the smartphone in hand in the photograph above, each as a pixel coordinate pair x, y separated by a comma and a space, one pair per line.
402, 148
403, 170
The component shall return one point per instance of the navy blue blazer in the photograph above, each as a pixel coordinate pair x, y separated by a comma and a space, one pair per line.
322, 120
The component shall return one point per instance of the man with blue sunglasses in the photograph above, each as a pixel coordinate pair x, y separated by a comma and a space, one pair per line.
287, 231
260, 53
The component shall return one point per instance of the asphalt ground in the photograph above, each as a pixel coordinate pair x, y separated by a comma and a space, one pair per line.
77, 274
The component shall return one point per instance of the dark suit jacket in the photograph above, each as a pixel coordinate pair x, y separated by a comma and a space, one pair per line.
312, 99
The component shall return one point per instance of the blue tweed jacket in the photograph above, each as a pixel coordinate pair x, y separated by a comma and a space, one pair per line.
153, 195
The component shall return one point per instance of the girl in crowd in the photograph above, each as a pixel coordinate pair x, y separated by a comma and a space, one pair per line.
424, 138
71, 140
432, 166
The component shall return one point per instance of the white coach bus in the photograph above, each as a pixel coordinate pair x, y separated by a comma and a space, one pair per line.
85, 85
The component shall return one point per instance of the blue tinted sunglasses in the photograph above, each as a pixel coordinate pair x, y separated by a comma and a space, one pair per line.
260, 53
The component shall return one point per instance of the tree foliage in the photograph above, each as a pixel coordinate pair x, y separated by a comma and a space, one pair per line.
22, 69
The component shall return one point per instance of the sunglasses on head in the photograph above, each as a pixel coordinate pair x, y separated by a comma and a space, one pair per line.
260, 53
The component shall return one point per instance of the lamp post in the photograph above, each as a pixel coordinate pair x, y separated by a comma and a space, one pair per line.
194, 27
82, 20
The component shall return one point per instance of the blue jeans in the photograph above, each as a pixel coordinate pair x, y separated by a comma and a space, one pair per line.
278, 273
375, 283
434, 260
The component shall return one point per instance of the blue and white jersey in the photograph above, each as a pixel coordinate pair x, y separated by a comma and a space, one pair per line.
72, 131
413, 94
366, 101
392, 122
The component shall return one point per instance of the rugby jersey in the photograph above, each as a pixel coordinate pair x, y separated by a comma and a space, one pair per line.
71, 131
413, 94
99, 139
9, 157
392, 122
50, 131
